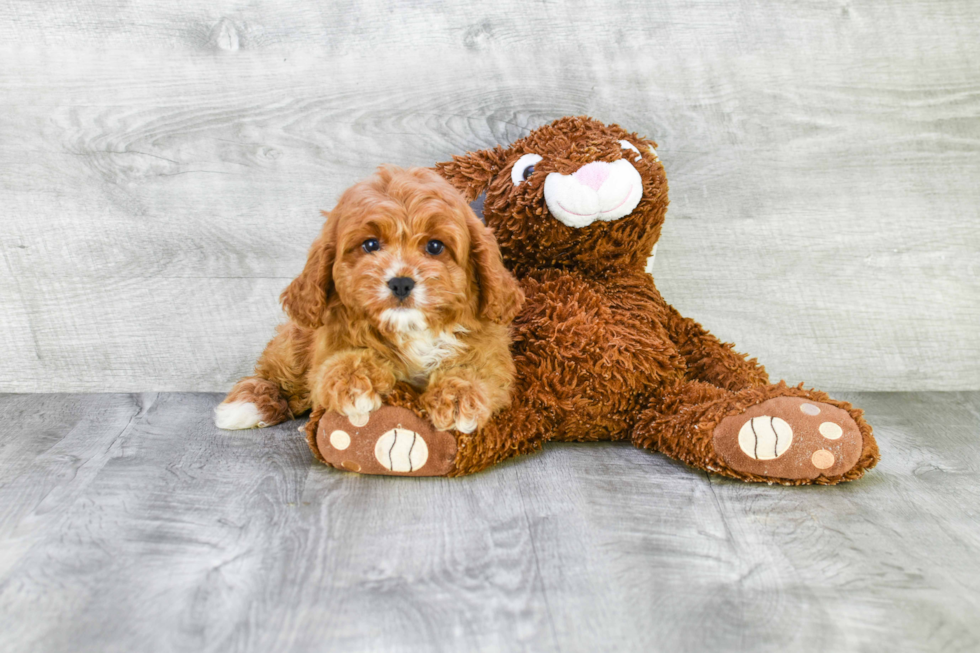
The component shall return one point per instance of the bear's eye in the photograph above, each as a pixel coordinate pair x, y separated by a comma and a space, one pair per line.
626, 145
434, 247
523, 168
371, 245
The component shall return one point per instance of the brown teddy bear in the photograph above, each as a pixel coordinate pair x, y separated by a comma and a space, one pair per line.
576, 207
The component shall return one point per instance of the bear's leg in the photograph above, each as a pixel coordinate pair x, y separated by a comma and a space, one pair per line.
711, 360
398, 439
771, 433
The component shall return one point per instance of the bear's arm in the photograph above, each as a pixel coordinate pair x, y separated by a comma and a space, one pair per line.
711, 360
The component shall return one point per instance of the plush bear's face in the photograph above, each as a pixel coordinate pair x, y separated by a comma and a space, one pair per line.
573, 194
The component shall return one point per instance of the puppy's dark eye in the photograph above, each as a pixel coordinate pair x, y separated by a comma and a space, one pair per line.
528, 171
371, 245
434, 247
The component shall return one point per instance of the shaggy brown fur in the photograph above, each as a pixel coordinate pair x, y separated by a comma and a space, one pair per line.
351, 338
600, 355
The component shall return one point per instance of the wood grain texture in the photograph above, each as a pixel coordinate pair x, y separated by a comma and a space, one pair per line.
162, 167
129, 523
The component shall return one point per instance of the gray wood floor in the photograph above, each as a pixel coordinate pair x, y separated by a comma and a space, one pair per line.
129, 523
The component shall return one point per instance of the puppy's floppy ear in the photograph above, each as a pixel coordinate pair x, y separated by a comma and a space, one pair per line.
501, 297
305, 299
473, 172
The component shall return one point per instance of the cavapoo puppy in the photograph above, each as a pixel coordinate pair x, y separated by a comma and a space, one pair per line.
403, 284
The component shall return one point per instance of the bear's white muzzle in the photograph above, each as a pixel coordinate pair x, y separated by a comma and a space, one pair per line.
596, 191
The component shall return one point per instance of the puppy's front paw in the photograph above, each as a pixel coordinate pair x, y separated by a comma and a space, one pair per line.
354, 390
455, 403
359, 404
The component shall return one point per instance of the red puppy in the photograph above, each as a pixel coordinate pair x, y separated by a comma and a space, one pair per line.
404, 283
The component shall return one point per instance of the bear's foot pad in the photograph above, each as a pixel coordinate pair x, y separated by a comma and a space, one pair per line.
393, 442
789, 438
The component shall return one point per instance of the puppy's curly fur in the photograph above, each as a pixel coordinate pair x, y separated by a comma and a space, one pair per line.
351, 338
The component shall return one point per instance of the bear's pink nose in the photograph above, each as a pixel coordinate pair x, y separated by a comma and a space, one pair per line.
592, 174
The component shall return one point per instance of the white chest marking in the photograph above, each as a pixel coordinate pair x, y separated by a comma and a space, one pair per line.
424, 351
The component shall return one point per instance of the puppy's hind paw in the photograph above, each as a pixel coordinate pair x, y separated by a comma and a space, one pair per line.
237, 415
253, 402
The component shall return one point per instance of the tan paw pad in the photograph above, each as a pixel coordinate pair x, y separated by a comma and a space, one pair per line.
789, 438
809, 409
822, 459
830, 431
339, 440
765, 437
401, 450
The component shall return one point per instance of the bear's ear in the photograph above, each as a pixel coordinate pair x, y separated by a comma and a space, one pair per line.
473, 172
648, 147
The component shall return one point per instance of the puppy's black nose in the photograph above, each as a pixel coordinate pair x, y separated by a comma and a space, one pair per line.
401, 286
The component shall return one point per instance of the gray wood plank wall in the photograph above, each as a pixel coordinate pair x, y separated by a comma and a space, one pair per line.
162, 166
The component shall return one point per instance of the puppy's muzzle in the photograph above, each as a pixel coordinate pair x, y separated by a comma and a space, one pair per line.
401, 287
